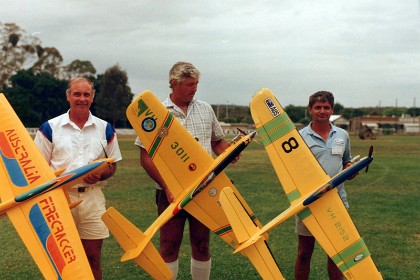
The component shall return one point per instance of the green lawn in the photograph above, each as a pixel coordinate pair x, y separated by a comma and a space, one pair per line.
383, 204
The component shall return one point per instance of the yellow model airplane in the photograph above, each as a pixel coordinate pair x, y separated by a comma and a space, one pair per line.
35, 201
194, 178
311, 192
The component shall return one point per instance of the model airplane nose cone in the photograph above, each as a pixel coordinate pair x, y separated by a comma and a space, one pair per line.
252, 134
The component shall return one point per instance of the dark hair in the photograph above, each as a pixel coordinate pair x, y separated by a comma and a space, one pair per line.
321, 96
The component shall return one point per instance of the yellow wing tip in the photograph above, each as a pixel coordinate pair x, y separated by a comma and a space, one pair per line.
263, 91
129, 255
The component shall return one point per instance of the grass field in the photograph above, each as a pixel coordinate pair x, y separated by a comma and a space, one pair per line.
383, 204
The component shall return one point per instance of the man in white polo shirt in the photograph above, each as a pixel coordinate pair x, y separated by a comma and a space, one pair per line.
72, 140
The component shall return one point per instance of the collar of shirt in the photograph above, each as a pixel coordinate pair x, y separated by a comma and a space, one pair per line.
171, 105
313, 133
66, 120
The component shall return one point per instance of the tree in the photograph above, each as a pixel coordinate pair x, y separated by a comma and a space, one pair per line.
413, 111
36, 97
78, 68
296, 113
49, 61
393, 111
17, 50
21, 51
338, 108
114, 96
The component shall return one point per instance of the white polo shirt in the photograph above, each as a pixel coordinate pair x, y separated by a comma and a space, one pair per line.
64, 145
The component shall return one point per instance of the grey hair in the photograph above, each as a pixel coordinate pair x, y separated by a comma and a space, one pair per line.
182, 70
80, 79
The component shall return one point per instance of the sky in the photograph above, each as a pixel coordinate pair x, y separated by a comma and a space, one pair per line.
366, 52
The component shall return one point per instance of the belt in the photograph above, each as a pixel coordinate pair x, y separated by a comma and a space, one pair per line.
84, 189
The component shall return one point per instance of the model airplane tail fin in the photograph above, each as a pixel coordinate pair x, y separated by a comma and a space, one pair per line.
258, 252
129, 237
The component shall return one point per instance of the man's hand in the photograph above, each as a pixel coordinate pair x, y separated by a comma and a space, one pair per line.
169, 195
235, 160
92, 178
95, 178
347, 165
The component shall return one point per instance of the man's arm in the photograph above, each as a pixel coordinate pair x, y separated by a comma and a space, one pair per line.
113, 151
347, 157
44, 146
219, 146
148, 165
108, 172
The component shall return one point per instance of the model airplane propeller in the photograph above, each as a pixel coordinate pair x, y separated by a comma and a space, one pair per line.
370, 155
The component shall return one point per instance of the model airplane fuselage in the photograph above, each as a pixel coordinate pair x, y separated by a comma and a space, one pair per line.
340, 178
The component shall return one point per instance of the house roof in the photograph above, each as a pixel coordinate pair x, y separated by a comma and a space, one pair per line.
334, 117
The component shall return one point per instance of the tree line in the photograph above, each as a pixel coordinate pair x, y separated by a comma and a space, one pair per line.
299, 114
34, 80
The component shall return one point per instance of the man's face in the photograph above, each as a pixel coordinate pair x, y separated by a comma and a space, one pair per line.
321, 111
80, 96
185, 91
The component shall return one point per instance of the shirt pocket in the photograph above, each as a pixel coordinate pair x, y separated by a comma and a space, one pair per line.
63, 148
337, 149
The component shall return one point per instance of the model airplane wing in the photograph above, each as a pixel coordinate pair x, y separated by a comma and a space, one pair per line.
310, 190
42, 219
244, 228
193, 176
